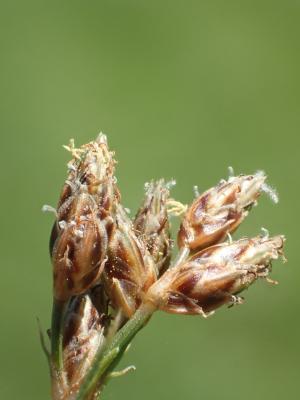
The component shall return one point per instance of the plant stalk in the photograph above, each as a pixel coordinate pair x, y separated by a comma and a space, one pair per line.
106, 357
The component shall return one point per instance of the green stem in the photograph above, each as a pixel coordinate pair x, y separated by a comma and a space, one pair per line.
107, 357
57, 333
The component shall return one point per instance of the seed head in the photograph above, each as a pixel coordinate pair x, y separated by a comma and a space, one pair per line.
219, 211
152, 224
214, 276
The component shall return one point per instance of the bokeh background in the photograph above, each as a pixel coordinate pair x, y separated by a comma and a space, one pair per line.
183, 89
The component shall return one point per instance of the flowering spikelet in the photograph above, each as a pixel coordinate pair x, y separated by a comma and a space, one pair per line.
152, 224
129, 270
214, 276
83, 335
219, 211
80, 234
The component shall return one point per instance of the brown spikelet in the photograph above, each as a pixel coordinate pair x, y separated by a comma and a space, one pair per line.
219, 210
129, 270
214, 276
83, 335
152, 224
79, 236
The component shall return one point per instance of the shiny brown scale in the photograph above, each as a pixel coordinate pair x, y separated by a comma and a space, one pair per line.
129, 270
214, 276
219, 211
83, 334
77, 255
152, 224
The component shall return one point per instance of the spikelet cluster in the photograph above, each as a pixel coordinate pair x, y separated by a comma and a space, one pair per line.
106, 264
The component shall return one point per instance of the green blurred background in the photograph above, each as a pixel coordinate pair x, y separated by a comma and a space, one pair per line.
183, 89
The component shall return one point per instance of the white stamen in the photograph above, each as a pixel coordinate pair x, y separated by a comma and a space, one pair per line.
171, 184
47, 208
260, 172
196, 191
265, 232
271, 192
269, 280
101, 138
117, 374
70, 147
230, 172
